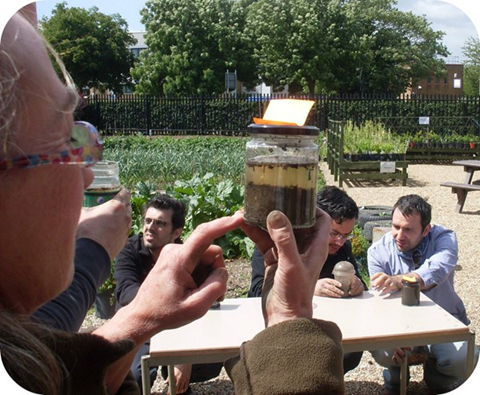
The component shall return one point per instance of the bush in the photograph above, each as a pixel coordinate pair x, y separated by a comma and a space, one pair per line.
206, 200
359, 250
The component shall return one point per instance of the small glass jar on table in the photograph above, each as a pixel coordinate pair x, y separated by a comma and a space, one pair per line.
410, 291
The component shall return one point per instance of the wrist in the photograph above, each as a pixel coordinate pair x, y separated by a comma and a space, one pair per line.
128, 323
276, 318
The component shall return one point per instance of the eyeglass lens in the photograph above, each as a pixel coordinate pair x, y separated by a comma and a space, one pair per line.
83, 135
339, 236
156, 222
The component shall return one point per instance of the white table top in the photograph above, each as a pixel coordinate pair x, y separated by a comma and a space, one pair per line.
367, 322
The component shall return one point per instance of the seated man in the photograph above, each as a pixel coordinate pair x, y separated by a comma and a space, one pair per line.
428, 252
164, 218
344, 212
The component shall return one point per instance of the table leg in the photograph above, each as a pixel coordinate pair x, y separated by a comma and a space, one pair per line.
403, 376
471, 354
461, 197
171, 380
468, 175
145, 365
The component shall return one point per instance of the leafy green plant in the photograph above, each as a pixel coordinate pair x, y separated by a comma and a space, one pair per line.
359, 250
162, 160
109, 284
208, 199
144, 191
373, 138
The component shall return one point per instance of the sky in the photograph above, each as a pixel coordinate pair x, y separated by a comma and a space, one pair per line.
441, 14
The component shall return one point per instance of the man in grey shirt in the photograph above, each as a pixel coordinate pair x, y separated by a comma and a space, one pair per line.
416, 248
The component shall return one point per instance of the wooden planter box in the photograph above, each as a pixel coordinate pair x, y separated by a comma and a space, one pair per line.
348, 168
441, 153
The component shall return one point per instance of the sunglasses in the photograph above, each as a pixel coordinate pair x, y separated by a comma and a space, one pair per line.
86, 150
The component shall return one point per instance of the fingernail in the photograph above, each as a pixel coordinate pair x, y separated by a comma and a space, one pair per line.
224, 273
276, 219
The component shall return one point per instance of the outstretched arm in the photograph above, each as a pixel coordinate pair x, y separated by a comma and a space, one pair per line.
181, 287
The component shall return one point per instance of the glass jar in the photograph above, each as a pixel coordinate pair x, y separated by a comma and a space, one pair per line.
410, 292
281, 174
105, 185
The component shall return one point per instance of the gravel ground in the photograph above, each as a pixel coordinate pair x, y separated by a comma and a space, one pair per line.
424, 180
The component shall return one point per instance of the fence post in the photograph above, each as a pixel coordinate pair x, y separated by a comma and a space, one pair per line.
148, 121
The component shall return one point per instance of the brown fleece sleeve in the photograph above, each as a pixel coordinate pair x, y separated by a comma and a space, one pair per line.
294, 357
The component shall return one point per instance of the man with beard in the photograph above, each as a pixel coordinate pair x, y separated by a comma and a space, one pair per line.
415, 248
163, 222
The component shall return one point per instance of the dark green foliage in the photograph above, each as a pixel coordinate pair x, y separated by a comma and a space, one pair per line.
191, 44
143, 191
471, 50
208, 199
359, 249
93, 46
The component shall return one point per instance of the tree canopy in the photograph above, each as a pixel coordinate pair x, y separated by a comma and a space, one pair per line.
93, 46
471, 78
342, 46
314, 46
191, 44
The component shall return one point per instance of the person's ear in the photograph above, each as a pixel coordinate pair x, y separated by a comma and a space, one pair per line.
426, 231
177, 233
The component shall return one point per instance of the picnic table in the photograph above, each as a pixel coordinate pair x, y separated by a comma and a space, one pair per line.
371, 321
468, 185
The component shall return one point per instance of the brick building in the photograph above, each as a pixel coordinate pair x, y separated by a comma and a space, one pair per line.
450, 84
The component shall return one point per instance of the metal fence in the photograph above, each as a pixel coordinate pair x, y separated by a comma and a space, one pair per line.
229, 115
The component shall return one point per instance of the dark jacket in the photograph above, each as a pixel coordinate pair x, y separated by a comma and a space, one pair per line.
132, 266
258, 268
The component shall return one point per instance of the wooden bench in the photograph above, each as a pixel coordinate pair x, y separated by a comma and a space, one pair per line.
461, 190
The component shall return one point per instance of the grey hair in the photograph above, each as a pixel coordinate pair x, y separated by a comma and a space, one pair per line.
9, 75
10, 95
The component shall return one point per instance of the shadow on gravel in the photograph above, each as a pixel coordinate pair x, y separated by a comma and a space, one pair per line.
224, 387
216, 386
470, 212
372, 388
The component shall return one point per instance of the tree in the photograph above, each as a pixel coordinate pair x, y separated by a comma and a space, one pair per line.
342, 46
191, 44
93, 46
294, 41
471, 77
394, 48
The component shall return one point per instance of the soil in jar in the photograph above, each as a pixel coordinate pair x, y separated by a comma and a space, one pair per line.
288, 187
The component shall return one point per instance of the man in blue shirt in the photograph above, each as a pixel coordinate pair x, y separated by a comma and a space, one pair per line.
429, 253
